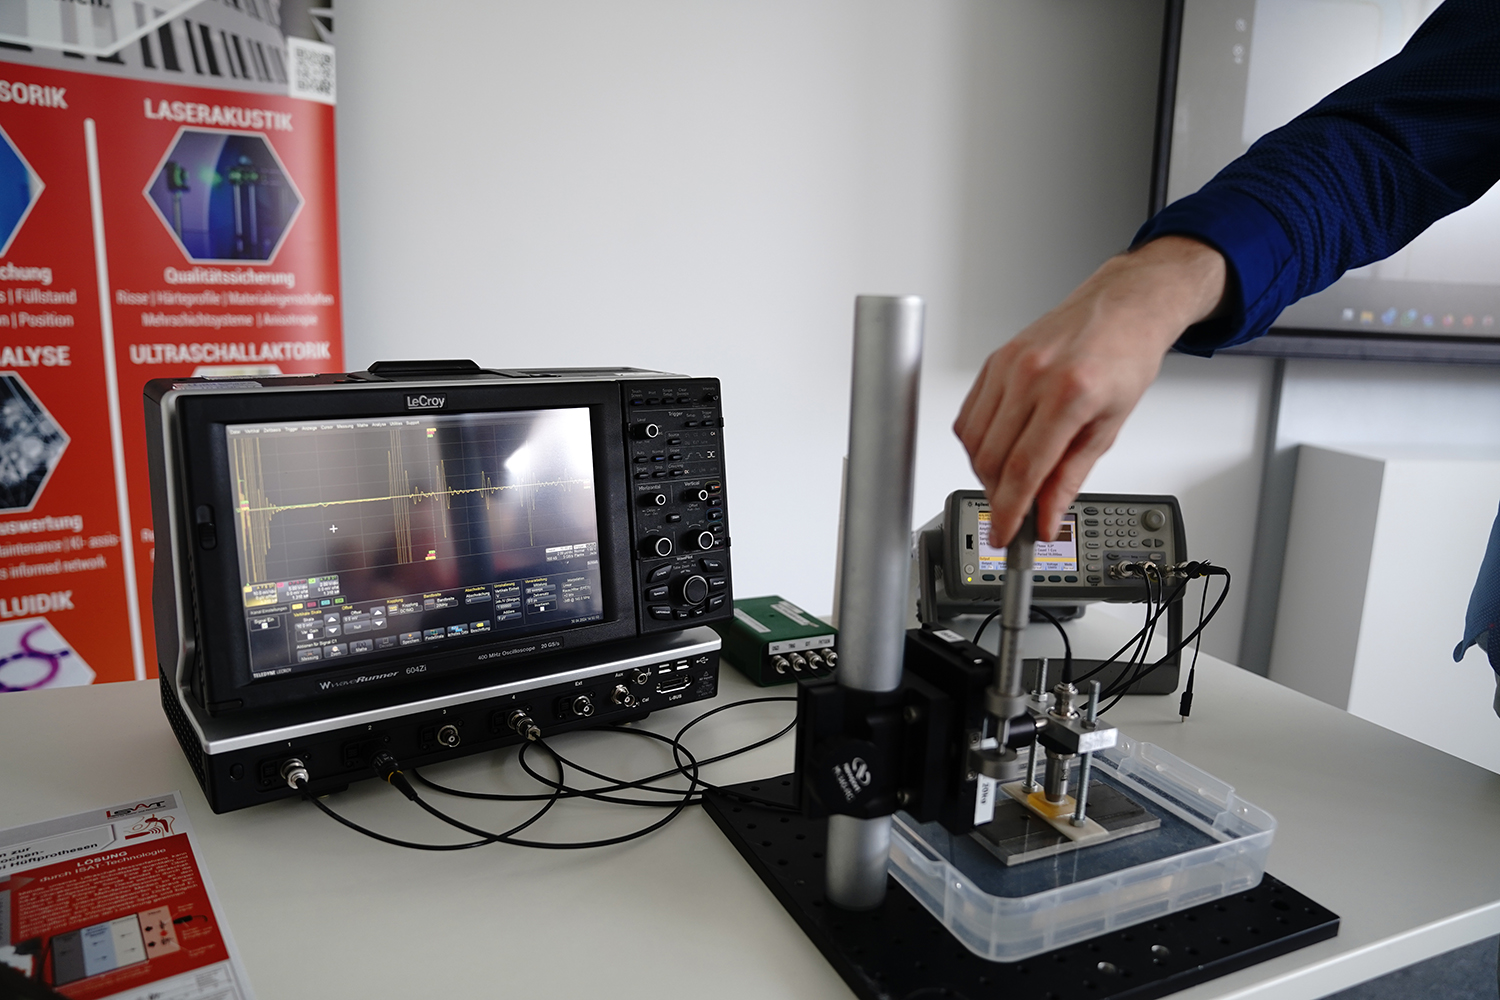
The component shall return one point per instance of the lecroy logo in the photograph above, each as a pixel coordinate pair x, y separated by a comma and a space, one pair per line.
426, 402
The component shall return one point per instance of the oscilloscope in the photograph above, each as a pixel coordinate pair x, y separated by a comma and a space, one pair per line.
341, 545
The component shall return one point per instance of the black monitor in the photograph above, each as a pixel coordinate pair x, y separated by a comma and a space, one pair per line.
1233, 70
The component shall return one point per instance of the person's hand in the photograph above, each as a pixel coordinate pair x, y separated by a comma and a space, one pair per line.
1050, 402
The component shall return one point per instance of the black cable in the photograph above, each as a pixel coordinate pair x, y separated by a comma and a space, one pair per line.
986, 624
641, 784
1206, 571
1067, 674
1182, 585
682, 797
432, 847
1185, 704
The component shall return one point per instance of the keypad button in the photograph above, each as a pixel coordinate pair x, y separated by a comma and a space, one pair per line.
1091, 533
712, 565
1091, 545
1054, 578
660, 611
1132, 511
1091, 510
657, 594
715, 602
1094, 579
1070, 579
660, 573
1092, 522
1038, 578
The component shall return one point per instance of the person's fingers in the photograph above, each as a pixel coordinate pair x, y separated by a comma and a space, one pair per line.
1064, 405
1062, 486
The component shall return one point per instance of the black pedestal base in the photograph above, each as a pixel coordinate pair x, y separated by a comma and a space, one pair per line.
901, 950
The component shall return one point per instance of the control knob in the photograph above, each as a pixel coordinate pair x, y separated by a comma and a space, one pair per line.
698, 494
659, 546
654, 500
647, 432
705, 540
1154, 520
693, 590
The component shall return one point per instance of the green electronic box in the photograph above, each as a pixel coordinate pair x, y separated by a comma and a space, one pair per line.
772, 641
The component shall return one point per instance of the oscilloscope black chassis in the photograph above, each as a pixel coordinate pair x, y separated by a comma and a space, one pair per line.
201, 633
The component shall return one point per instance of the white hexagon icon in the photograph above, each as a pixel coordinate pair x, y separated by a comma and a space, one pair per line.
225, 197
20, 187
31, 444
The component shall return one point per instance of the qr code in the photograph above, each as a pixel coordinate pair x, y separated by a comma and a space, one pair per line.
312, 70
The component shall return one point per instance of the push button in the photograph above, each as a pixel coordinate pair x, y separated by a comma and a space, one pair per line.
673, 518
1070, 579
1038, 578
712, 565
1091, 510
657, 594
717, 582
716, 601
1094, 579
660, 573
1054, 578
987, 576
660, 611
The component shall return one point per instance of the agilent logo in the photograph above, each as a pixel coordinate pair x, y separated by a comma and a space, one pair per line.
425, 402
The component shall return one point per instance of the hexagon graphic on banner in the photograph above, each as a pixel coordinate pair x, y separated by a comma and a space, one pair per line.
224, 196
20, 187
31, 444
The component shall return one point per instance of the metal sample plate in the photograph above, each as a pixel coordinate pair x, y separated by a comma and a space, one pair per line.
1017, 835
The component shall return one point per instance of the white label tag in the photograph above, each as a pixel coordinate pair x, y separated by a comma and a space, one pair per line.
793, 612
948, 635
984, 800
742, 616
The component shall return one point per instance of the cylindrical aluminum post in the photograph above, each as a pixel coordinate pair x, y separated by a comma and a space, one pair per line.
876, 556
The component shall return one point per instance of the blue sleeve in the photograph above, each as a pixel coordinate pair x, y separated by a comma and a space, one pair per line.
1355, 178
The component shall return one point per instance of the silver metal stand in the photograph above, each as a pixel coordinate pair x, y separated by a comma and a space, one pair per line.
876, 554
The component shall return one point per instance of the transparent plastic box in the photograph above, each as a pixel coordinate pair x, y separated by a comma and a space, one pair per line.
1211, 843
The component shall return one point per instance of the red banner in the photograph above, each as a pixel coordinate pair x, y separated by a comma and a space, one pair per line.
153, 223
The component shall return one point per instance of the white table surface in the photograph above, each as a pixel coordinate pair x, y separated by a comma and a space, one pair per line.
1401, 840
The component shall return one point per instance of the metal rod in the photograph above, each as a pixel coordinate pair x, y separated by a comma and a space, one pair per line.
1031, 785
875, 559
1005, 700
1080, 812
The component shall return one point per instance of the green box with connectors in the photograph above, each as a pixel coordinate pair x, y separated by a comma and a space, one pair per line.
772, 641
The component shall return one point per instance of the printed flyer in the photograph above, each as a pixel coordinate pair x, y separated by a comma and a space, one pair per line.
167, 209
113, 905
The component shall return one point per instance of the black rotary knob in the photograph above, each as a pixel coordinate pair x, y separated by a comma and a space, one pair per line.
657, 545
647, 432
694, 590
654, 500
706, 540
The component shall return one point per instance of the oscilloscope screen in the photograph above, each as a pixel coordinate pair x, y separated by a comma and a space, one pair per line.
356, 536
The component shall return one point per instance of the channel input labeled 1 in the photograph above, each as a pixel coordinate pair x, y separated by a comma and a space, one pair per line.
294, 773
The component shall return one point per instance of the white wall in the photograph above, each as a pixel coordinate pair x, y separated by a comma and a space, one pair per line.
705, 187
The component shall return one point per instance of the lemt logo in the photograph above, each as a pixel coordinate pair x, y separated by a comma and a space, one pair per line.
131, 810
426, 402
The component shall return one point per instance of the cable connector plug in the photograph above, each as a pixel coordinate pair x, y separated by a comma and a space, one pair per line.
294, 773
389, 768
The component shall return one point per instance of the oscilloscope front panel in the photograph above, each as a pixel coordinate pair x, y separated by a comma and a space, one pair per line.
330, 535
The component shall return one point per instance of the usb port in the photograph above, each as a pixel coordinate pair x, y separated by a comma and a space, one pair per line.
674, 684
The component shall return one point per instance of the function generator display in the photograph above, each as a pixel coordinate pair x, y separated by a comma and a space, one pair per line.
361, 536
1059, 556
